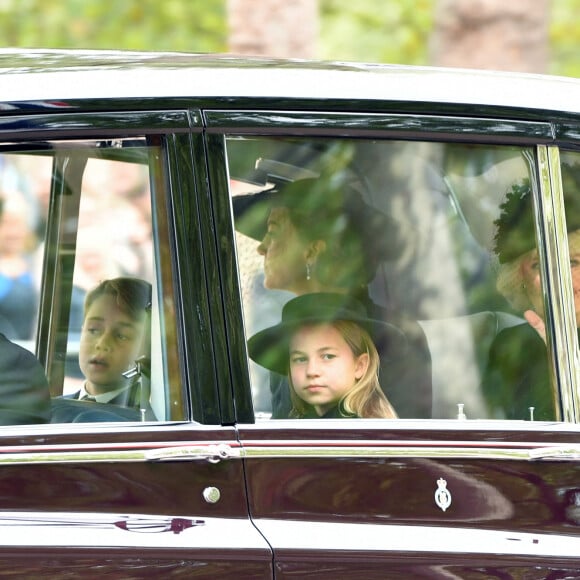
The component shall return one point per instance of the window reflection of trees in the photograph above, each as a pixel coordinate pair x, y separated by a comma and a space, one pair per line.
445, 198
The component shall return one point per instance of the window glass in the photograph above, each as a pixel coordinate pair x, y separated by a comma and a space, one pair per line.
570, 166
421, 235
24, 198
83, 296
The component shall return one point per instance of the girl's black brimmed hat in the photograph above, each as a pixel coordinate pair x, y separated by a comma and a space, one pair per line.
270, 347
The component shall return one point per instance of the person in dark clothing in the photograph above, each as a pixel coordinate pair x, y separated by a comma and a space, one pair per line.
24, 392
323, 344
517, 381
517, 377
319, 235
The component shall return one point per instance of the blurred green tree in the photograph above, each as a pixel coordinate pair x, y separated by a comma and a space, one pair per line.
494, 35
400, 32
367, 30
182, 25
565, 38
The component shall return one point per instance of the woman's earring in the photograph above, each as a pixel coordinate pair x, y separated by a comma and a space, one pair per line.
308, 271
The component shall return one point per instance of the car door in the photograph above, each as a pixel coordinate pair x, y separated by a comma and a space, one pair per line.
468, 482
151, 490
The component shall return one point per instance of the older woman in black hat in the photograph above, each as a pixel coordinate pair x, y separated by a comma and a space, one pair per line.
517, 376
319, 235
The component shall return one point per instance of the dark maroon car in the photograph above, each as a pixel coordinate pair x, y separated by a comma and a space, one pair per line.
454, 196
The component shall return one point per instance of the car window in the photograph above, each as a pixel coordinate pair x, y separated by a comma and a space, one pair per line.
429, 237
84, 298
570, 170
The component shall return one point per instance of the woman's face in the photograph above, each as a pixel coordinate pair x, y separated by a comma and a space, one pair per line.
574, 245
530, 271
284, 254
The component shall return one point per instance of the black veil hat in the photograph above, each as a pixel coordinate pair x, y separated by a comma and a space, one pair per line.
327, 207
515, 228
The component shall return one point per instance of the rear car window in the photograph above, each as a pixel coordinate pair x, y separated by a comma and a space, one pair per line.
435, 239
84, 298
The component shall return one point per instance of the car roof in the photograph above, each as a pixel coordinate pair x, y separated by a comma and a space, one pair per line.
51, 75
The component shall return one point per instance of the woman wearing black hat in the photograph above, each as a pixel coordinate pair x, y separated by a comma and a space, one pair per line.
318, 235
517, 383
323, 345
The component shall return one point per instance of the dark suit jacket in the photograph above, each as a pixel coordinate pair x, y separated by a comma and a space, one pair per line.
124, 407
68, 410
517, 376
24, 392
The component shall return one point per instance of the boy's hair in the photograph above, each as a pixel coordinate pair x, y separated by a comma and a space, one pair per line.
133, 296
366, 399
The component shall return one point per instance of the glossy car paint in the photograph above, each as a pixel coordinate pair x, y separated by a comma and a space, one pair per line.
368, 494
297, 499
125, 501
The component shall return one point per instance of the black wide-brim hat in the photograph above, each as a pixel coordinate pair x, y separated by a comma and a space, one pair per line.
270, 347
321, 201
251, 211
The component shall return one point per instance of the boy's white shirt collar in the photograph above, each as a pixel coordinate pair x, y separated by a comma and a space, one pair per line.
102, 397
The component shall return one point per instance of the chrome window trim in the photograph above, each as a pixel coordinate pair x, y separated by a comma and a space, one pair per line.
380, 124
557, 281
92, 125
307, 449
211, 452
422, 450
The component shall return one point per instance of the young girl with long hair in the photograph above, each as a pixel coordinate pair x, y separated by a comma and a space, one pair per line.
324, 345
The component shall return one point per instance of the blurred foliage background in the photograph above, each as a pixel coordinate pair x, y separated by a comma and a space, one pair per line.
564, 37
388, 31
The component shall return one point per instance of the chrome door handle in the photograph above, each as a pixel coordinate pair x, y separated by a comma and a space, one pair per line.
210, 453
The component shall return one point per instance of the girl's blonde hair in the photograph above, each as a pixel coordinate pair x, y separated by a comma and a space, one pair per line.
366, 399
